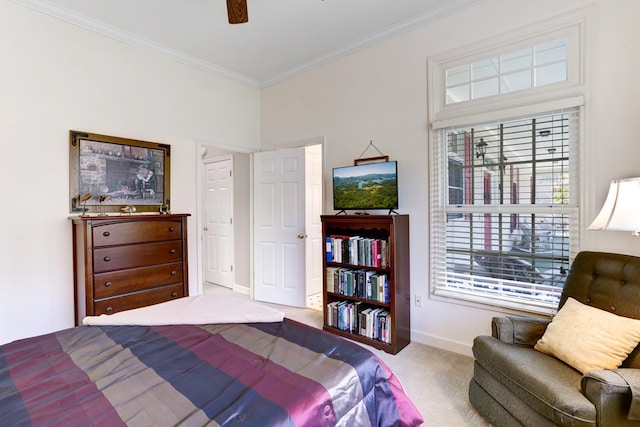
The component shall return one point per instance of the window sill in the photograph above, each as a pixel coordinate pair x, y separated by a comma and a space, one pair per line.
507, 307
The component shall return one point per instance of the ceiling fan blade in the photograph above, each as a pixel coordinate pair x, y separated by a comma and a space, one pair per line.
237, 11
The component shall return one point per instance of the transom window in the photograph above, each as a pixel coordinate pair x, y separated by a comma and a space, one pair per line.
521, 69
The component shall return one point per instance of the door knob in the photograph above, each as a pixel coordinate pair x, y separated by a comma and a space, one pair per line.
301, 235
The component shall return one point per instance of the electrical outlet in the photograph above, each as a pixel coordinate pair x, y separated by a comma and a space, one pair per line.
417, 300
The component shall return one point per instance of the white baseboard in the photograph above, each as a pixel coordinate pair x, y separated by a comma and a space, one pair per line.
241, 289
442, 343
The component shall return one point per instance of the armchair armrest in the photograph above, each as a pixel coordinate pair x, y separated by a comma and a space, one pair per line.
616, 395
524, 331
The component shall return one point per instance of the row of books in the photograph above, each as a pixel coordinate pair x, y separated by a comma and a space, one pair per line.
357, 250
358, 318
358, 283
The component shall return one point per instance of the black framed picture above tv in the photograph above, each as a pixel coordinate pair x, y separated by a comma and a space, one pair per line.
369, 186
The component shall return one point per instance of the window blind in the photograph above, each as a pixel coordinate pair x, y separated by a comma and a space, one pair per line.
504, 216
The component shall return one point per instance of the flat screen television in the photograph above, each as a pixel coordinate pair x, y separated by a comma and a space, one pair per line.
362, 187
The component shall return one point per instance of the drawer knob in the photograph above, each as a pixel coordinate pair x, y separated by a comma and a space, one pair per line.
107, 284
109, 309
173, 273
173, 251
106, 234
175, 294
172, 229
107, 258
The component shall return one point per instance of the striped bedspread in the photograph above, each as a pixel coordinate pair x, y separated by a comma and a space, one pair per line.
259, 374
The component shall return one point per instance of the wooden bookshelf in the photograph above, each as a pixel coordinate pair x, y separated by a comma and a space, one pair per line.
367, 278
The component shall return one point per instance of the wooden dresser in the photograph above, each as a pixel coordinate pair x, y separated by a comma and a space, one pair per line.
125, 262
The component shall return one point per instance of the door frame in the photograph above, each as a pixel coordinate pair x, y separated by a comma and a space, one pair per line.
202, 149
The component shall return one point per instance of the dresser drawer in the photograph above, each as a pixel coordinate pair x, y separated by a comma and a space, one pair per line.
126, 281
137, 299
122, 233
132, 256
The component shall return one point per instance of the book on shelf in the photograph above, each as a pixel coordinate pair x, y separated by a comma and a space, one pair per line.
384, 250
375, 253
332, 278
383, 288
328, 248
354, 257
371, 288
337, 245
369, 277
366, 284
356, 250
357, 318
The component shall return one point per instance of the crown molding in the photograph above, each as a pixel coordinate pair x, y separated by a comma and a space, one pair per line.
401, 27
404, 26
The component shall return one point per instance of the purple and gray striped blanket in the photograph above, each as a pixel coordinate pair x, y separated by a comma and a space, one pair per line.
253, 374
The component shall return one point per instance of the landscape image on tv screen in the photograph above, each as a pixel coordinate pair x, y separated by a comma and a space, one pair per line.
372, 186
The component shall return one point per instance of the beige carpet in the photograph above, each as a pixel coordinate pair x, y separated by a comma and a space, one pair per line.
435, 380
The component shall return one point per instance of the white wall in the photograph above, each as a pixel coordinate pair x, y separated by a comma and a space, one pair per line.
55, 77
380, 94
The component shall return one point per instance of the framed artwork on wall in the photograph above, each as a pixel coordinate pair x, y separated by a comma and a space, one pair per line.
370, 160
108, 173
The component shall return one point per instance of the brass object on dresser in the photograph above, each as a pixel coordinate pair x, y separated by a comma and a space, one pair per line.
125, 262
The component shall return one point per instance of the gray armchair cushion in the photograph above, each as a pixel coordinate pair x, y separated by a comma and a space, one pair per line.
518, 330
544, 383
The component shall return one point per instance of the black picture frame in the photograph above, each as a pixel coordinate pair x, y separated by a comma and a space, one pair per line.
108, 173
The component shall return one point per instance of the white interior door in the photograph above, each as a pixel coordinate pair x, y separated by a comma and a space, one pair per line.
218, 228
279, 227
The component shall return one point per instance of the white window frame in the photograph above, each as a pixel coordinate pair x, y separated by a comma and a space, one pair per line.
553, 97
491, 72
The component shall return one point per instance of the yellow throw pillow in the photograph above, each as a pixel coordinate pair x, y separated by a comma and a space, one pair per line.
588, 338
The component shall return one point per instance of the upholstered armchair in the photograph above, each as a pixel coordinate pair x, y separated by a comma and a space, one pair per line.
516, 384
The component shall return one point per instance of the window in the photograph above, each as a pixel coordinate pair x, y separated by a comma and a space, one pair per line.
510, 211
535, 66
504, 172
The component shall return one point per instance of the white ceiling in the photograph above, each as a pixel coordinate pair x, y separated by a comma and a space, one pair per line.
281, 39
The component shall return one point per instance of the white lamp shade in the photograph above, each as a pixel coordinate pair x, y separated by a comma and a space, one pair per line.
621, 210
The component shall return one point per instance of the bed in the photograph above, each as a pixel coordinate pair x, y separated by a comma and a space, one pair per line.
237, 365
